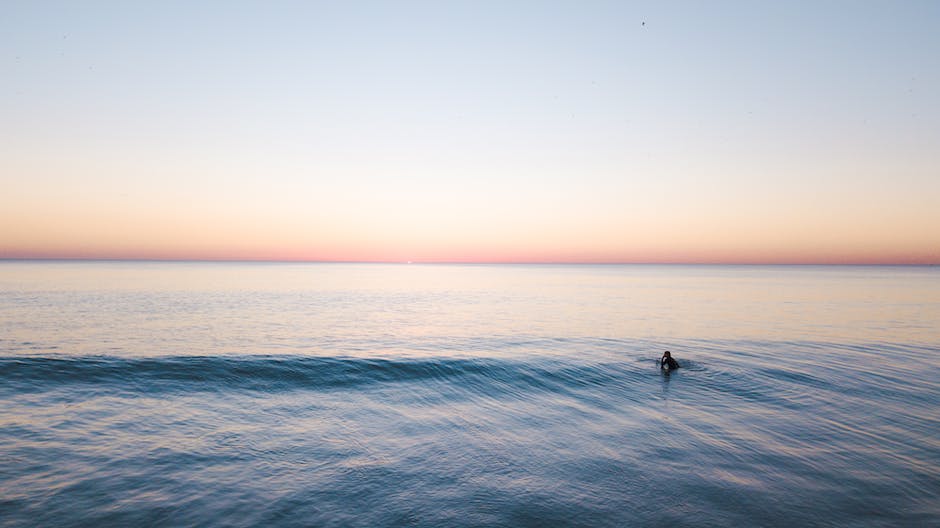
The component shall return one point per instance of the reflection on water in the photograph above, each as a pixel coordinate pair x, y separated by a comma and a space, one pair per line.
181, 308
383, 395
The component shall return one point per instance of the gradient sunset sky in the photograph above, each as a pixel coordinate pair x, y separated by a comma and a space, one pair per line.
471, 131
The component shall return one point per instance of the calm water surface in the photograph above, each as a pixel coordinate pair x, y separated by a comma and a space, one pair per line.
223, 394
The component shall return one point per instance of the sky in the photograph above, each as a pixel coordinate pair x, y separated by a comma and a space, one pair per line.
446, 131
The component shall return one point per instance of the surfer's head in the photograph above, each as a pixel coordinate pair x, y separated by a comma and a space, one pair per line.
667, 354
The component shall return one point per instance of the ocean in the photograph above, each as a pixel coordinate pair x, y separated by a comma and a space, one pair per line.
374, 395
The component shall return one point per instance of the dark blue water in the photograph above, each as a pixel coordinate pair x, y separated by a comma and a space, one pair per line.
247, 395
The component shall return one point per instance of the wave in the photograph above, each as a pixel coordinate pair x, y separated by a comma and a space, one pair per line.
275, 373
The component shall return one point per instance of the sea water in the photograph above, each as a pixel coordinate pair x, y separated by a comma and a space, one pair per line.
237, 394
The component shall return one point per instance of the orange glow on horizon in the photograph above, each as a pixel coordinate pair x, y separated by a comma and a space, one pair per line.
484, 256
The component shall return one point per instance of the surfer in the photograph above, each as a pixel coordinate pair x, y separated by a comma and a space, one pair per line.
667, 363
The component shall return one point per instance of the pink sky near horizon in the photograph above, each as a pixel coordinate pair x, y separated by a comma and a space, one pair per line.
510, 249
611, 226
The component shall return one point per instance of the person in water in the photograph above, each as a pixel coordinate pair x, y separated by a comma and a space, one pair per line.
667, 360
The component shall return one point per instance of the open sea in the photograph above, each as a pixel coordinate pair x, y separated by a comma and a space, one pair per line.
378, 395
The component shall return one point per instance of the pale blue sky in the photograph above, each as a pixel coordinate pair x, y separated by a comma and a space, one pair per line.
363, 123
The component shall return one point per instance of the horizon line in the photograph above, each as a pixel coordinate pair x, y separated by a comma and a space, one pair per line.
465, 262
